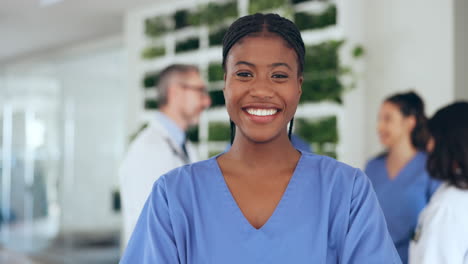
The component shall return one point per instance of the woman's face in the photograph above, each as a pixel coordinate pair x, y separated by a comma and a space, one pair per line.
262, 86
392, 126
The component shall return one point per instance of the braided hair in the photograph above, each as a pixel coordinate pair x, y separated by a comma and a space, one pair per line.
259, 23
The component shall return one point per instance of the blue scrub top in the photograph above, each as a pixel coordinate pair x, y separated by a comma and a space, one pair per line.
328, 214
403, 198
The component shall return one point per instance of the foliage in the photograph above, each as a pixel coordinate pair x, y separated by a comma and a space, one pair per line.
256, 6
216, 36
151, 104
153, 52
322, 73
158, 25
321, 89
213, 13
181, 19
215, 72
217, 98
320, 131
219, 131
305, 20
150, 80
187, 44
192, 134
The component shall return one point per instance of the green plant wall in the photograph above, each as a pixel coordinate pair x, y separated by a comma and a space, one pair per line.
304, 20
320, 133
153, 52
322, 70
215, 72
151, 104
216, 36
192, 134
261, 5
150, 80
219, 131
187, 45
158, 25
321, 73
217, 98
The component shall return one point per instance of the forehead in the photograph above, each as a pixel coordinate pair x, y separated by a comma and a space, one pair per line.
389, 108
262, 48
187, 77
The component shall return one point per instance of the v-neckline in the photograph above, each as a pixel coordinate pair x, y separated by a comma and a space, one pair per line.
283, 200
402, 170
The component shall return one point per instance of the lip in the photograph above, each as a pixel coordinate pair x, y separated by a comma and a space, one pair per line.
261, 119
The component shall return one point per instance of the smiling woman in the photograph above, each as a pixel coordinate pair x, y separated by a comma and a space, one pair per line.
263, 201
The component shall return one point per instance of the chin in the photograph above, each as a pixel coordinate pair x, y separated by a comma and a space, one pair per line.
262, 136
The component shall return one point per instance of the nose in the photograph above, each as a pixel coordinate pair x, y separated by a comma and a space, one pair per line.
261, 89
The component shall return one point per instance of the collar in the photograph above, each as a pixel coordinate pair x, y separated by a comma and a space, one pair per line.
175, 133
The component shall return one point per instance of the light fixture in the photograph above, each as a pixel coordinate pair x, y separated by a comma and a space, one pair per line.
44, 3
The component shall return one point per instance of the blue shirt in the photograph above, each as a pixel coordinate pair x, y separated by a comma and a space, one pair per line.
174, 131
402, 198
327, 214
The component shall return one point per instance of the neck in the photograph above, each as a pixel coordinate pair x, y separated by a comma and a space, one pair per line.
402, 151
174, 116
272, 154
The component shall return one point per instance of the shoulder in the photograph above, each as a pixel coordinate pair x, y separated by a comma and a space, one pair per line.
151, 139
448, 197
189, 175
377, 160
330, 171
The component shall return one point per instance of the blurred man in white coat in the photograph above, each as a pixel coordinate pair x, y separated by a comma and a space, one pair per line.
162, 146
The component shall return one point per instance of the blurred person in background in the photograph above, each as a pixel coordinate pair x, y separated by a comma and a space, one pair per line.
399, 175
442, 232
162, 146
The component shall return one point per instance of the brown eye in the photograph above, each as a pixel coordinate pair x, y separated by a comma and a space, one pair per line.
279, 76
244, 74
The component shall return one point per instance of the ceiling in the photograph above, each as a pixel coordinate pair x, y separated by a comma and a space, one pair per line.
28, 28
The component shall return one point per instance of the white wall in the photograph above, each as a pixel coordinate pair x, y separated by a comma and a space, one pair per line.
409, 44
93, 106
352, 132
461, 49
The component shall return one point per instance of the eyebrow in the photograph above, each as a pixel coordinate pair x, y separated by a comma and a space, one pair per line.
273, 65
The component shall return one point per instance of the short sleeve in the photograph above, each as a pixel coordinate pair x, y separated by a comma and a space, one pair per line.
367, 239
153, 239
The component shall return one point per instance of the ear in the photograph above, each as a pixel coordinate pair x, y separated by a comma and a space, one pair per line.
224, 78
411, 122
300, 81
172, 92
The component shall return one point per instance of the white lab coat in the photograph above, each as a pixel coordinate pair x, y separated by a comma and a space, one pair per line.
150, 155
442, 232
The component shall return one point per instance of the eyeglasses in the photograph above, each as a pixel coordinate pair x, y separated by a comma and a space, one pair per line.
200, 89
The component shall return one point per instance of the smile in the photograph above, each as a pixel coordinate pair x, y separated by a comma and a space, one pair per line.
261, 112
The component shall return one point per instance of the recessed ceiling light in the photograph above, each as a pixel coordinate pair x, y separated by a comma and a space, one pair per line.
49, 2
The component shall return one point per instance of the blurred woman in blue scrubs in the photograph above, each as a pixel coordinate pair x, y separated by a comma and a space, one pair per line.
263, 201
399, 175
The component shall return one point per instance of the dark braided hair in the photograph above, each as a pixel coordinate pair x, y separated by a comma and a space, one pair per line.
259, 23
411, 104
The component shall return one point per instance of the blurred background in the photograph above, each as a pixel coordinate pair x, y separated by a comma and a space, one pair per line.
77, 81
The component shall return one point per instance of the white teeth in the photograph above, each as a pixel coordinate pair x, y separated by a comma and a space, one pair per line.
261, 112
